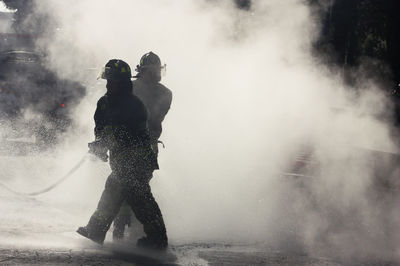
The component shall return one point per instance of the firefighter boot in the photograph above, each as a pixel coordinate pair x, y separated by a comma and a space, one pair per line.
83, 231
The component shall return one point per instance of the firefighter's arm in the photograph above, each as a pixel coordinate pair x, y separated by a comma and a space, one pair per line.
165, 104
100, 120
99, 147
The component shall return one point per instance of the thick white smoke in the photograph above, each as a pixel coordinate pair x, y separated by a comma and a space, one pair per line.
247, 95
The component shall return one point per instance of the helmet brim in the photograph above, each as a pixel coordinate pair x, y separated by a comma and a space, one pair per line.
109, 73
162, 68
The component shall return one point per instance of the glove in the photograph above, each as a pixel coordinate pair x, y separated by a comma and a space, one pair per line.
97, 148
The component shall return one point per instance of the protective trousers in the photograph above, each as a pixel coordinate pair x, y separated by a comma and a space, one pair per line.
137, 194
124, 216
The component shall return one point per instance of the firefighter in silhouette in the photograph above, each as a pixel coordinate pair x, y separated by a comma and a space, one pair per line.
121, 128
157, 100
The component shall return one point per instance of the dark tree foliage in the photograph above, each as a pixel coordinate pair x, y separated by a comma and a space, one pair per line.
364, 35
364, 28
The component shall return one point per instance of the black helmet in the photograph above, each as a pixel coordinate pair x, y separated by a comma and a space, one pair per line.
149, 60
116, 69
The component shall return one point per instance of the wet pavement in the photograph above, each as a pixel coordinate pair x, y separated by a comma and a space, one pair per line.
40, 231
177, 255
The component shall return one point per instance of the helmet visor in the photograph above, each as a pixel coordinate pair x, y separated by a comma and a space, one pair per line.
105, 73
163, 70
111, 73
153, 68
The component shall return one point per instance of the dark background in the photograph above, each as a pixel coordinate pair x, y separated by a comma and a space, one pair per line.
358, 31
361, 37
352, 30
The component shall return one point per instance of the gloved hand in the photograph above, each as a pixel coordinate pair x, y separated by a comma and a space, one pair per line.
97, 148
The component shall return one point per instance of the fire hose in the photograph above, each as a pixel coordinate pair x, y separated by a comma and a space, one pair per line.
52, 186
92, 150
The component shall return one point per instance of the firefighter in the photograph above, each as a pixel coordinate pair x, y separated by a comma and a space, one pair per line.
121, 128
157, 100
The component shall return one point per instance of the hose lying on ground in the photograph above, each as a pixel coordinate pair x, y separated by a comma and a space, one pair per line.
58, 182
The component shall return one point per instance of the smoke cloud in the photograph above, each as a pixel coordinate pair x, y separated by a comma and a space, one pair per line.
248, 96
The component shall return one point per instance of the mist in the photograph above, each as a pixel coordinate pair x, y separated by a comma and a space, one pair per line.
248, 95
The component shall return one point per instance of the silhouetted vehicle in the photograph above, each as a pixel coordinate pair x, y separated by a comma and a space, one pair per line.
34, 102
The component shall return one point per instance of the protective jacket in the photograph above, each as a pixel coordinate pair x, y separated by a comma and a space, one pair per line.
121, 126
157, 98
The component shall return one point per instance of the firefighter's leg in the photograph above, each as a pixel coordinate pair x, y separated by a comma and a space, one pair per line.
107, 209
148, 213
136, 228
123, 218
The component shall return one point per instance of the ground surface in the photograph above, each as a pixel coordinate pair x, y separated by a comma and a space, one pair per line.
41, 230
177, 255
